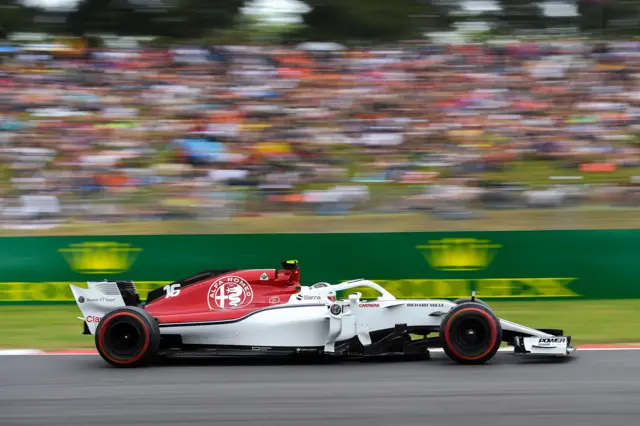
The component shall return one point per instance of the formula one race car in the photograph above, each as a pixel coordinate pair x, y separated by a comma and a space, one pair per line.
268, 312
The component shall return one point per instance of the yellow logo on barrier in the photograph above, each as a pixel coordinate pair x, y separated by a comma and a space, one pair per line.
469, 254
100, 257
459, 254
493, 288
57, 291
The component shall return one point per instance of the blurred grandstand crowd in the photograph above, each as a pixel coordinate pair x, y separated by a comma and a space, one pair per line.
257, 130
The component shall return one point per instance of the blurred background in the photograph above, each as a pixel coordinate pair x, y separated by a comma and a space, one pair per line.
127, 117
134, 132
457, 114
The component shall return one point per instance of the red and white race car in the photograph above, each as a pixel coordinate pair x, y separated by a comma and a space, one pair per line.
268, 312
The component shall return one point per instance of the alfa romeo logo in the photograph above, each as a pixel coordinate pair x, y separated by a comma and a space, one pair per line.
229, 293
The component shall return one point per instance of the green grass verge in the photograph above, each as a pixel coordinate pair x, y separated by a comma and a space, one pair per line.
538, 174
593, 218
611, 321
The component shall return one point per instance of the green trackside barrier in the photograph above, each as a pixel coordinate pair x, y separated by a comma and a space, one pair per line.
597, 264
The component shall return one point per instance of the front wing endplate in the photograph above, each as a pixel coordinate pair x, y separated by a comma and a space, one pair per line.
552, 346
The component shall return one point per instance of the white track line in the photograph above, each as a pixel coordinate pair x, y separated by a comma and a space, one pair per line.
17, 352
630, 348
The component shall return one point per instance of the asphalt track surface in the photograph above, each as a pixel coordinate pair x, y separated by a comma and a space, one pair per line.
591, 388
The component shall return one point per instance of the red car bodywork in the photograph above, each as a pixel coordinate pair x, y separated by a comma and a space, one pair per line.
224, 297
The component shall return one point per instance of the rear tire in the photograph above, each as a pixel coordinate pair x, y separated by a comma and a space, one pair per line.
128, 337
471, 333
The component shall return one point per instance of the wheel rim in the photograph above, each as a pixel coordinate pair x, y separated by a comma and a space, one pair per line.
472, 334
124, 340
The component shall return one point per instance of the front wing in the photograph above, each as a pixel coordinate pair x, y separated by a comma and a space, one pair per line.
543, 346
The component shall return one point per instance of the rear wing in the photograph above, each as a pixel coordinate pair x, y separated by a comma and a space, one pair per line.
100, 298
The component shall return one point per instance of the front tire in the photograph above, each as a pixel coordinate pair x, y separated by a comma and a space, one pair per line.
128, 337
471, 333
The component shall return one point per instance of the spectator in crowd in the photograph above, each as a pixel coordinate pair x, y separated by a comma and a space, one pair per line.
258, 130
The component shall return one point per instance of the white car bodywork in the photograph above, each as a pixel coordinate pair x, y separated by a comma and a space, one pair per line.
313, 318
